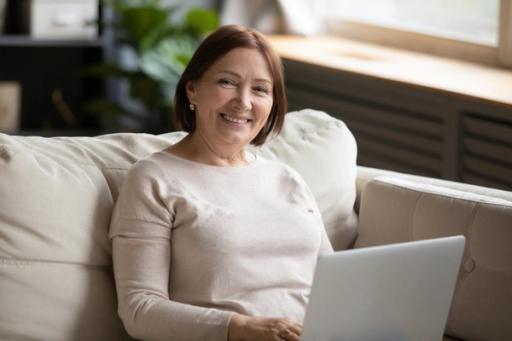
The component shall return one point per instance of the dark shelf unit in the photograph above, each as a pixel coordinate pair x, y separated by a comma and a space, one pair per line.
44, 68
15, 40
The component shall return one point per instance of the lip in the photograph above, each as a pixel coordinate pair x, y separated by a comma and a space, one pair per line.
235, 119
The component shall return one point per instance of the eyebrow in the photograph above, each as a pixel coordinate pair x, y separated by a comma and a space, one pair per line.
238, 75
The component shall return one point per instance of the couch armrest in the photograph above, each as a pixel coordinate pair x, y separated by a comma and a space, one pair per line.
365, 174
393, 210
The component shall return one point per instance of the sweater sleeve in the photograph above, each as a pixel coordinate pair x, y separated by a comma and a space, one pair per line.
141, 249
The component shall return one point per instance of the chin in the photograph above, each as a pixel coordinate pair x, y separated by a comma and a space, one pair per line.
237, 138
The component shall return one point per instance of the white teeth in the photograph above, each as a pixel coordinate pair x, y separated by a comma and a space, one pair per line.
235, 119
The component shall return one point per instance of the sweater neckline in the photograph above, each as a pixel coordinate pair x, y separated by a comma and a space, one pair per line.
251, 164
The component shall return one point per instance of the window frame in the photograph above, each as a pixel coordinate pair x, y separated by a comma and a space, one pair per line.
500, 56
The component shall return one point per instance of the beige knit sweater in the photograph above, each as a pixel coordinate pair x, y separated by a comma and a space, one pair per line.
193, 243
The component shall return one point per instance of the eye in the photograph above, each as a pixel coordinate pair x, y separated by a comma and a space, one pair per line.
261, 90
226, 82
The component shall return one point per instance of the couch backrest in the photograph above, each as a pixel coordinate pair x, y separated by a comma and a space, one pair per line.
57, 195
394, 210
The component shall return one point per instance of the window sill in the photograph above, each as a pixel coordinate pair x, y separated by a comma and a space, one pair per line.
439, 74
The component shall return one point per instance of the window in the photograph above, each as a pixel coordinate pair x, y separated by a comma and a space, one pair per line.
478, 30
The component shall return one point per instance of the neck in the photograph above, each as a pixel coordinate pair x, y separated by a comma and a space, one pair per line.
208, 153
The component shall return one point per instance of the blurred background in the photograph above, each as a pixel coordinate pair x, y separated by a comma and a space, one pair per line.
425, 86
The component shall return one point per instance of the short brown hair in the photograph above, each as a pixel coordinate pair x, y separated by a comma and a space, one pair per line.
216, 45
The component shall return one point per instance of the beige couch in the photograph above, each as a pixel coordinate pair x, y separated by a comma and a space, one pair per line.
57, 195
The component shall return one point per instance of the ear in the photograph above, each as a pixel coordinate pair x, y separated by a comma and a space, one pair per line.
191, 92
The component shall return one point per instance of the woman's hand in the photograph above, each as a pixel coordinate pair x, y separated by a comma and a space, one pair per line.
248, 328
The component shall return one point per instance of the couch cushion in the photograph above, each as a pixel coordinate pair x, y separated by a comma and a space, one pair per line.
57, 196
394, 210
57, 301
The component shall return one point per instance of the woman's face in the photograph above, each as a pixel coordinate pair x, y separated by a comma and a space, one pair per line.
233, 98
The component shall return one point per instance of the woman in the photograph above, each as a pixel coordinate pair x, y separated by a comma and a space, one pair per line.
211, 242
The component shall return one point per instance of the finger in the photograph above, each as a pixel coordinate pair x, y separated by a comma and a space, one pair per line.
289, 335
296, 328
276, 337
293, 337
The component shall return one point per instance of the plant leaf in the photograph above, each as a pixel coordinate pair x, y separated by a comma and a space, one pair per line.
200, 21
167, 61
156, 35
138, 22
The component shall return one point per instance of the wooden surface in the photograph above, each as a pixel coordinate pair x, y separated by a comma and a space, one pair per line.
450, 76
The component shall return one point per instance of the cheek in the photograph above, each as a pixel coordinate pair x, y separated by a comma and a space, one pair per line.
220, 95
263, 107
213, 97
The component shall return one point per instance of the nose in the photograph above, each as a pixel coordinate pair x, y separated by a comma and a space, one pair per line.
243, 100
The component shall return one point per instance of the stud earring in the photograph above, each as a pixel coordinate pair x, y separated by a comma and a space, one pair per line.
192, 107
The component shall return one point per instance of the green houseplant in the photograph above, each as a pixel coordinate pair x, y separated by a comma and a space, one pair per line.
162, 46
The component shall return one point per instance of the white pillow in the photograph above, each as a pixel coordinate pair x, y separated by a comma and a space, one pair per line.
323, 151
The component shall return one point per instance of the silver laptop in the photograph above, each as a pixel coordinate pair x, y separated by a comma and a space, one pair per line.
387, 293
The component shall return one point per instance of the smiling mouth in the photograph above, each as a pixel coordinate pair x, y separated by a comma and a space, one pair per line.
233, 119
